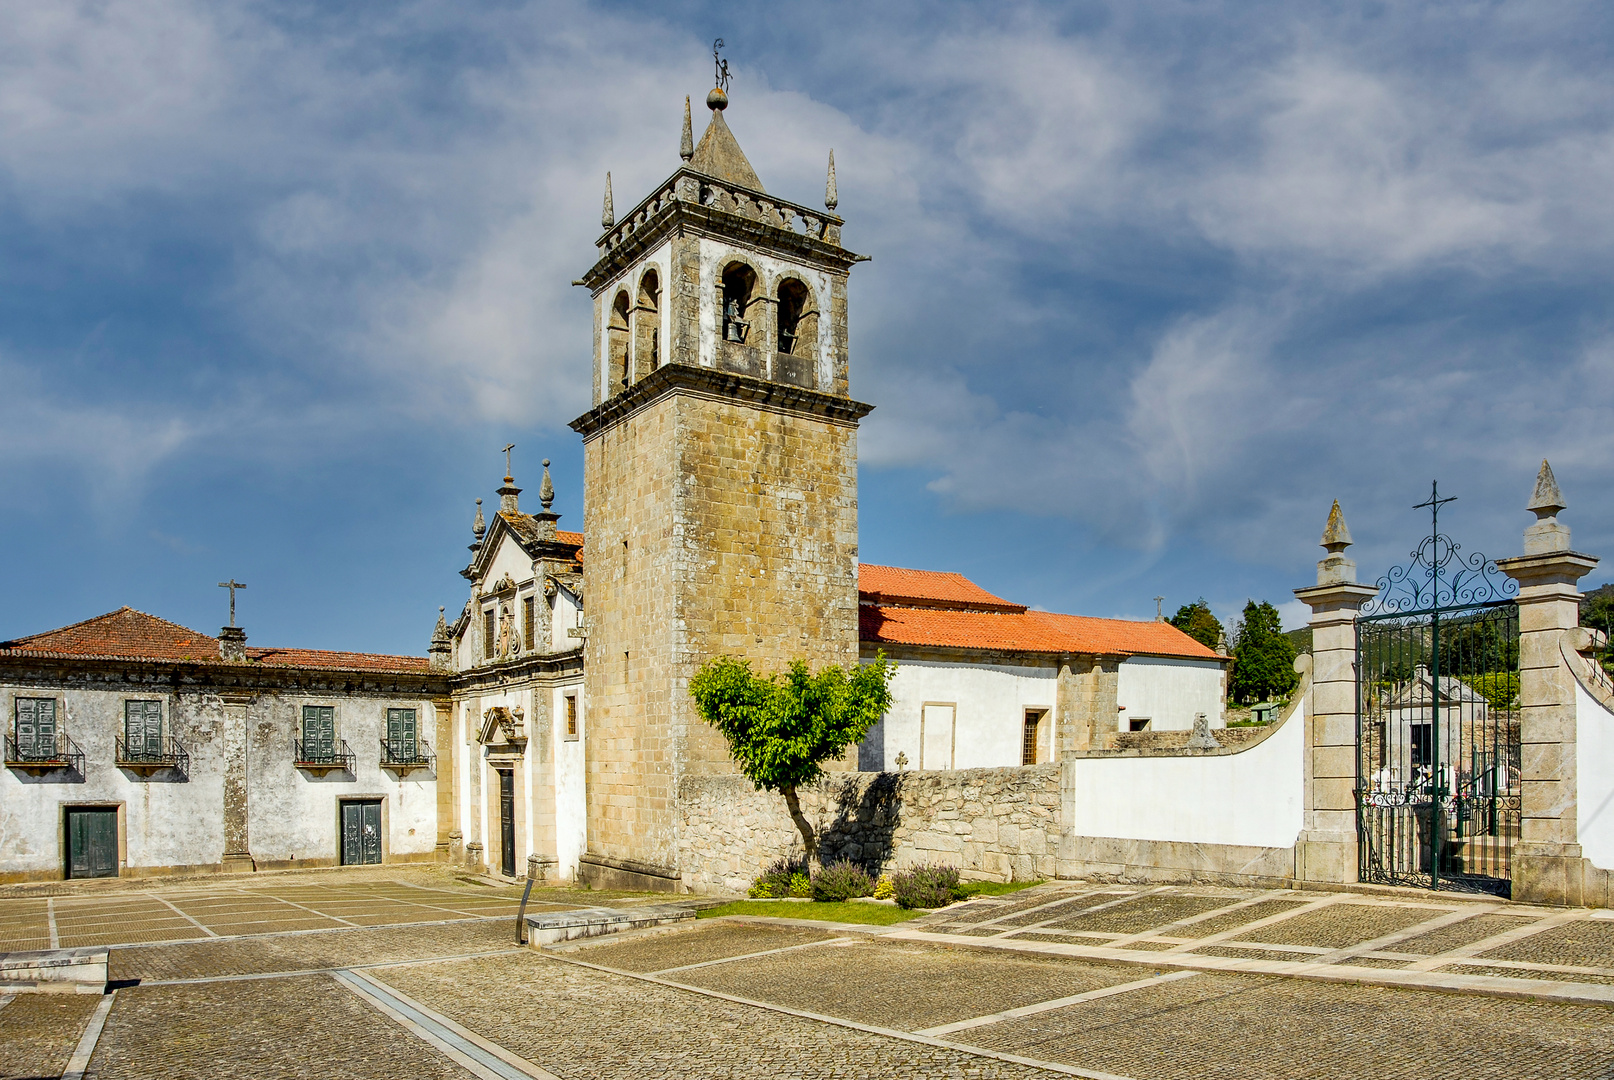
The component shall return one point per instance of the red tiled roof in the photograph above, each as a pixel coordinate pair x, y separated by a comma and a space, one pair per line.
1029, 631
130, 634
926, 588
1112, 636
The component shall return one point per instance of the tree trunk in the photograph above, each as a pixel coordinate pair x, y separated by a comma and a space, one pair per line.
809, 842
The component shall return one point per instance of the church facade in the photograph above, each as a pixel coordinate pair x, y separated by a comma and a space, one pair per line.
549, 731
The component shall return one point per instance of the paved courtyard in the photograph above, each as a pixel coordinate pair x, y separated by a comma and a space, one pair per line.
417, 974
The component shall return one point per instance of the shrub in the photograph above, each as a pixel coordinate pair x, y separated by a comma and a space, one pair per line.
926, 887
883, 889
787, 877
841, 881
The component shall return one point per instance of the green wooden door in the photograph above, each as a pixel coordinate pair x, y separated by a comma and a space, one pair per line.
361, 833
401, 735
92, 842
36, 728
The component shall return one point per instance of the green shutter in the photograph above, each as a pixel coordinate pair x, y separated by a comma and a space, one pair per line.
143, 728
401, 734
36, 727
319, 732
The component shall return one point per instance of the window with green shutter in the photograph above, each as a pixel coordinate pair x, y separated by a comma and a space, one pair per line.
319, 732
35, 728
402, 740
143, 729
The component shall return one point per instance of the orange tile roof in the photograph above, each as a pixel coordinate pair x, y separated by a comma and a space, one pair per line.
1112, 636
926, 588
1029, 631
134, 635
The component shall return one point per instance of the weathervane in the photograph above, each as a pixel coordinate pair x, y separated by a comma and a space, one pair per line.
722, 66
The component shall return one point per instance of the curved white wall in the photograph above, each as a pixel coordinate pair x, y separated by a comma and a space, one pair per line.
1255, 798
1594, 771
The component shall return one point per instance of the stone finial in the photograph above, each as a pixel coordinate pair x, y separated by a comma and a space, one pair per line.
686, 147
442, 647
1548, 533
1221, 643
1335, 568
607, 212
832, 197
479, 526
546, 490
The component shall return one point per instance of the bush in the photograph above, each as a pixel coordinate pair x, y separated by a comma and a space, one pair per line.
841, 881
787, 877
926, 887
883, 889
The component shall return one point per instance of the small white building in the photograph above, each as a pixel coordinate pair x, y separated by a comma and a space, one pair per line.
983, 682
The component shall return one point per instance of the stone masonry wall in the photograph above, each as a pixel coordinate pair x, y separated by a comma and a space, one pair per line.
993, 824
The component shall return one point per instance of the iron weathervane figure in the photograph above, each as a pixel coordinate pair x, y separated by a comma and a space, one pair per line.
721, 65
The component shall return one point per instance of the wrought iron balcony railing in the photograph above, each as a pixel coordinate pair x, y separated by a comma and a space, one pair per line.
146, 759
323, 757
47, 756
404, 756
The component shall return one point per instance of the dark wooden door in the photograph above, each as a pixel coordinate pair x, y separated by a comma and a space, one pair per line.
361, 833
92, 842
507, 822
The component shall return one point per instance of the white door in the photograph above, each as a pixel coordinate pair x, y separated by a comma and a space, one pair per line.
936, 737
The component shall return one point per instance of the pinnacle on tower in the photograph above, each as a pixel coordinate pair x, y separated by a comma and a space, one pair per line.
546, 490
607, 212
686, 145
832, 197
478, 526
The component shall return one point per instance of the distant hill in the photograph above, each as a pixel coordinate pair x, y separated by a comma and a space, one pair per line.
1301, 638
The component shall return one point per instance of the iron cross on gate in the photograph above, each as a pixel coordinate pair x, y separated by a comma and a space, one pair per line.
232, 585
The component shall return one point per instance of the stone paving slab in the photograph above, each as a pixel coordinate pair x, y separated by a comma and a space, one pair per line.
1143, 913
1588, 942
305, 952
1341, 925
584, 1024
708, 940
39, 1031
1247, 1028
904, 985
274, 1029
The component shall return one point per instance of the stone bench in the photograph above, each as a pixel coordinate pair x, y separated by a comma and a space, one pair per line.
552, 927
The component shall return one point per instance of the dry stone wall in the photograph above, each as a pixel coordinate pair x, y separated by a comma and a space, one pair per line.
993, 824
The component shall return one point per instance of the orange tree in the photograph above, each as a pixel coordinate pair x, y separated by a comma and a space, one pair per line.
781, 729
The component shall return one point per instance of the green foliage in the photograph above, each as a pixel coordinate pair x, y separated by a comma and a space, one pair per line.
994, 888
787, 877
848, 912
926, 887
1197, 622
1499, 688
781, 729
1263, 658
841, 881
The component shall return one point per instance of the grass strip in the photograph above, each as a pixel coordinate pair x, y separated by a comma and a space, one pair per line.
868, 914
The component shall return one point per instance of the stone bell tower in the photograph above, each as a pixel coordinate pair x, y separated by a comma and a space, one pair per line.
720, 463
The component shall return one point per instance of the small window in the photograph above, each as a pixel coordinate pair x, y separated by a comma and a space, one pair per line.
571, 716
34, 730
1138, 723
403, 742
319, 732
490, 633
142, 730
527, 623
1423, 745
1028, 742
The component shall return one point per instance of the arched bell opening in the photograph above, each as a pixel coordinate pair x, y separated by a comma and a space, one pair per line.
796, 361
647, 326
617, 346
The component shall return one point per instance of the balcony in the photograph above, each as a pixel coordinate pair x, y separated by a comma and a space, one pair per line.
47, 756
322, 758
404, 756
146, 760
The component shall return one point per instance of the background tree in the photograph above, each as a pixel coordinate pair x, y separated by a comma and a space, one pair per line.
1263, 658
781, 729
1197, 622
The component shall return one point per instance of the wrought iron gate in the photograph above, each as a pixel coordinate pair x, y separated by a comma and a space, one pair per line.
1437, 722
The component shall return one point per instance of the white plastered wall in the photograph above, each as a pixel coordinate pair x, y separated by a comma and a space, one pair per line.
1594, 772
1169, 691
660, 259
1254, 798
990, 702
566, 613
571, 811
715, 255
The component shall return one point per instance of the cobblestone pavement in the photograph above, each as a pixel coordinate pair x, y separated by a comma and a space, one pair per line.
1122, 980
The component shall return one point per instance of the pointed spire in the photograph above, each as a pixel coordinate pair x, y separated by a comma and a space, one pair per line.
479, 526
441, 652
832, 197
686, 145
1336, 535
1546, 500
607, 212
719, 155
440, 635
546, 490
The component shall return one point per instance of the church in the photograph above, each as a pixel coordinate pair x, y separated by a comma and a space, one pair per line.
548, 732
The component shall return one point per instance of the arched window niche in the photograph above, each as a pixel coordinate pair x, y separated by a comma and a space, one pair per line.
647, 326
740, 331
796, 339
616, 346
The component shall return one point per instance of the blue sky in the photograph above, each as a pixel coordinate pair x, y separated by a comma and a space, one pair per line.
1152, 284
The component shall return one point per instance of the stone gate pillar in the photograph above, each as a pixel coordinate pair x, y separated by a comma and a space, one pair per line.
1547, 864
1326, 850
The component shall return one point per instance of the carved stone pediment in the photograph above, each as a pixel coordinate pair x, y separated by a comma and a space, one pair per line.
502, 727
506, 584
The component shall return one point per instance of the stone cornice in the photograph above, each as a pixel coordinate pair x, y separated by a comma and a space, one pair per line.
530, 667
1548, 568
212, 676
1338, 594
716, 385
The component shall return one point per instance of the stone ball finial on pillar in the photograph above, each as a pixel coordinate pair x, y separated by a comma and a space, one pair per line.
1548, 533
